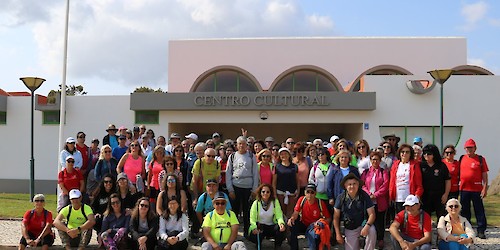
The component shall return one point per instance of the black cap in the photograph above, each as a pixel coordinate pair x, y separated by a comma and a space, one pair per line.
219, 196
136, 128
212, 181
311, 186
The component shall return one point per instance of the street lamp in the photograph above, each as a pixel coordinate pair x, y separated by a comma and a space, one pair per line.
32, 83
441, 76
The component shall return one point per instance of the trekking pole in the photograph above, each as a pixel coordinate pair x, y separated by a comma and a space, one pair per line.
258, 240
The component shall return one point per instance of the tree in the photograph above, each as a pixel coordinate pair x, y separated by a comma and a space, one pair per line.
143, 89
71, 90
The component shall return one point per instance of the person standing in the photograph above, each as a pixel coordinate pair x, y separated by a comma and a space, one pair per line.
85, 152
242, 177
473, 185
111, 139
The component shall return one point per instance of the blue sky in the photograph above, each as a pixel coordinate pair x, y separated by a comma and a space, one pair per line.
118, 45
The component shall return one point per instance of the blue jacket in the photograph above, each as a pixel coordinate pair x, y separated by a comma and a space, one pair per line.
334, 177
101, 169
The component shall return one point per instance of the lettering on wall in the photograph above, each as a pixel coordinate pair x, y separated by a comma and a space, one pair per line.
260, 100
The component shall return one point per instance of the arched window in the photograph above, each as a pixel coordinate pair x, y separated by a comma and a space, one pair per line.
304, 80
225, 80
357, 84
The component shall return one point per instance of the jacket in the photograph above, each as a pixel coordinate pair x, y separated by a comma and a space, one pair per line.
254, 214
334, 177
101, 169
416, 187
444, 227
381, 186
151, 233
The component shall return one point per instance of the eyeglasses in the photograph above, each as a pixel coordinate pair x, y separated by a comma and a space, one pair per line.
170, 180
453, 206
361, 147
265, 192
211, 156
449, 152
310, 192
405, 152
144, 205
115, 202
39, 200
107, 151
276, 149
386, 146
169, 163
266, 156
290, 142
220, 203
108, 182
122, 138
70, 161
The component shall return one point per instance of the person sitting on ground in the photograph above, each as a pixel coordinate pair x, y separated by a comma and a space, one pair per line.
204, 204
115, 224
411, 228
174, 227
220, 227
310, 209
454, 230
79, 220
358, 214
36, 226
143, 225
266, 217
101, 198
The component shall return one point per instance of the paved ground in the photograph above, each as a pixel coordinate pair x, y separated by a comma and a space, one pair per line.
10, 235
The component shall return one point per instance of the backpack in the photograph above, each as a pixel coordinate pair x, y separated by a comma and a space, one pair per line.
319, 205
199, 184
420, 223
45, 213
315, 166
71, 208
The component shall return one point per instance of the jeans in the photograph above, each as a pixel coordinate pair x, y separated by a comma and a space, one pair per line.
299, 228
465, 199
396, 246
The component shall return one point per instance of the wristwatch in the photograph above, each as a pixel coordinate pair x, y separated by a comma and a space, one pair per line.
79, 229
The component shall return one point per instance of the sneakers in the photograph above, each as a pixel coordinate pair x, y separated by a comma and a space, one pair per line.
481, 235
380, 244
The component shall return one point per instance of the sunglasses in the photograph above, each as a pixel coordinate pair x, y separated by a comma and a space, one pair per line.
453, 206
386, 146
133, 145
107, 151
211, 156
170, 180
70, 161
428, 153
361, 147
449, 152
108, 182
290, 142
375, 159
321, 154
115, 202
266, 156
39, 200
169, 163
265, 192
179, 150
405, 152
276, 149
222, 203
144, 205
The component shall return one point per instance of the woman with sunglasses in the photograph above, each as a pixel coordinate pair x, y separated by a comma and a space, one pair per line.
171, 168
70, 149
100, 199
435, 181
376, 185
319, 172
115, 224
36, 226
182, 164
151, 138
454, 169
174, 227
265, 167
266, 217
69, 178
224, 151
405, 178
106, 164
275, 153
132, 163
455, 231
143, 225
362, 153
388, 156
340, 145
171, 188
311, 153
154, 168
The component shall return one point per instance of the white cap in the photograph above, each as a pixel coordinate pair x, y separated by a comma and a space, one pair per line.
70, 140
334, 138
74, 194
411, 200
70, 157
284, 149
192, 136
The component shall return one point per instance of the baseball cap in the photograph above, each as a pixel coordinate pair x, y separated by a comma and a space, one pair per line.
121, 176
417, 139
70, 140
219, 196
74, 194
136, 129
284, 149
192, 136
215, 135
211, 181
411, 200
175, 136
470, 143
144, 136
70, 157
311, 186
122, 137
269, 139
334, 138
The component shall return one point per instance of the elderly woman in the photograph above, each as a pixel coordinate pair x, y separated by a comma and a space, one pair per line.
266, 167
311, 152
453, 165
406, 177
286, 181
337, 173
454, 230
106, 164
376, 185
266, 217
36, 226
340, 145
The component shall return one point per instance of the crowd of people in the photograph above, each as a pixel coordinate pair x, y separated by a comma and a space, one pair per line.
146, 192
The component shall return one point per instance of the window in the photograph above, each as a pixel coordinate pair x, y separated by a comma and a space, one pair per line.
226, 80
429, 134
147, 117
305, 80
3, 118
51, 117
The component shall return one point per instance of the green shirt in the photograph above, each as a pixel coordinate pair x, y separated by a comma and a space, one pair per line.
220, 225
76, 218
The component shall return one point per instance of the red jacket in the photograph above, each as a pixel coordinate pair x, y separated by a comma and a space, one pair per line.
416, 187
381, 186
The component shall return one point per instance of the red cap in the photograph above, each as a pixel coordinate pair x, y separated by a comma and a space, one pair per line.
470, 143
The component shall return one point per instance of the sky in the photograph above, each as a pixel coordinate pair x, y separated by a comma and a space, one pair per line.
115, 46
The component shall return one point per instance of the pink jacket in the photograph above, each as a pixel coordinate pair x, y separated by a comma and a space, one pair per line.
381, 186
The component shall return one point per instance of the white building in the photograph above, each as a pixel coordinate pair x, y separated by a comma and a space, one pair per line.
303, 87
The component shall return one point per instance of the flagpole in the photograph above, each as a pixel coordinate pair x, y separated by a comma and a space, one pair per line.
62, 115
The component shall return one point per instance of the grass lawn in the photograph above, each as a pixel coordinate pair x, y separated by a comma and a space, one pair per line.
15, 205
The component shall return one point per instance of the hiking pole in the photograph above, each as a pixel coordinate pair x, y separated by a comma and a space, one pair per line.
258, 240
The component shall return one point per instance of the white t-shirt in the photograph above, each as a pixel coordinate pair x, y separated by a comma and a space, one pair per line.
372, 187
363, 164
266, 217
402, 182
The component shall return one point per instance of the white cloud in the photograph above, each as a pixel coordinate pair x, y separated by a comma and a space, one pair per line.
320, 22
473, 13
494, 22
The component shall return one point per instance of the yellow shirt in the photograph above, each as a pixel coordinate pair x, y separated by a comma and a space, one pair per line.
208, 171
220, 225
76, 218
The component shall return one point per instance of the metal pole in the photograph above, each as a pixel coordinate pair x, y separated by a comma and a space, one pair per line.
441, 118
32, 159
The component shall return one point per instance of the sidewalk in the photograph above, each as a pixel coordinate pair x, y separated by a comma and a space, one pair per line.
10, 233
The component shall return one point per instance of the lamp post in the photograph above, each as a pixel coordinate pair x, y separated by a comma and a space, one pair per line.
441, 76
32, 83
